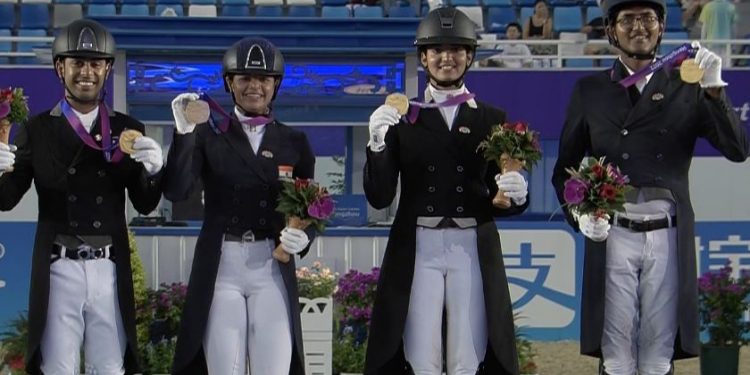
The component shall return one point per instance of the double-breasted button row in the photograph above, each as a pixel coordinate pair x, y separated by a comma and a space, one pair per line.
96, 224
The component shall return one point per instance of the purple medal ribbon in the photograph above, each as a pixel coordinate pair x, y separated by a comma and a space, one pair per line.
673, 58
415, 106
223, 126
80, 130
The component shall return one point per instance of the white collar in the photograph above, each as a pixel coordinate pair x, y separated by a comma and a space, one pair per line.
242, 117
630, 72
429, 97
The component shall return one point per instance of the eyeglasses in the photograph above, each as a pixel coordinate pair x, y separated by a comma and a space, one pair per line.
647, 21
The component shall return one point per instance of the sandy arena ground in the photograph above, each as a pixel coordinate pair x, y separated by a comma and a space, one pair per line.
563, 358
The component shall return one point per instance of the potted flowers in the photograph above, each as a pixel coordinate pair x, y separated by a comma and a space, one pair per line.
165, 308
513, 147
526, 352
595, 188
14, 345
723, 302
354, 297
316, 284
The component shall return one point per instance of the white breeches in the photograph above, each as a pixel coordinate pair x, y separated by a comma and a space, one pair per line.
446, 273
640, 309
249, 315
83, 309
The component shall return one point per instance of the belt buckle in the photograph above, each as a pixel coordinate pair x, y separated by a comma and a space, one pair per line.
86, 252
248, 236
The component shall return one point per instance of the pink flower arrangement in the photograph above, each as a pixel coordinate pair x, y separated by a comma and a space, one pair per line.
596, 188
306, 200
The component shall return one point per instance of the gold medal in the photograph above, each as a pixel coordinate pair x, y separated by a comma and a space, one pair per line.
127, 138
690, 72
398, 101
197, 112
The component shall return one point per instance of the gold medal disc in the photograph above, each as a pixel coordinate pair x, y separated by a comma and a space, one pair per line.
398, 101
690, 72
127, 138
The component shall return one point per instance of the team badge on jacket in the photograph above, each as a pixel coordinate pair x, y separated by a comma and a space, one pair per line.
286, 172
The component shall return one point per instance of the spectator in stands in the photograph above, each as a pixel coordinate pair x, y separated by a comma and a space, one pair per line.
241, 302
82, 284
539, 26
512, 54
595, 30
444, 227
718, 19
691, 10
640, 294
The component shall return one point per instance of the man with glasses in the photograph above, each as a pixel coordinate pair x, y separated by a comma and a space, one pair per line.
639, 304
81, 281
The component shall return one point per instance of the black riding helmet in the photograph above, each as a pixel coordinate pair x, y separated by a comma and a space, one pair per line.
253, 55
84, 38
446, 26
613, 7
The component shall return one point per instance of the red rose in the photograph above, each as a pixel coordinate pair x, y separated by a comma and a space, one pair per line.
6, 94
508, 126
521, 128
16, 362
300, 184
598, 170
608, 192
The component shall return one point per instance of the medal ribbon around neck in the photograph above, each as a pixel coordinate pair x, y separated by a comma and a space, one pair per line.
112, 153
223, 125
415, 106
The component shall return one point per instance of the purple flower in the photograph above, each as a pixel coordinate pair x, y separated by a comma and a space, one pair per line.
4, 109
575, 191
321, 208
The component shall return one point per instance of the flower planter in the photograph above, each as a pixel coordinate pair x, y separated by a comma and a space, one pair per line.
317, 334
719, 360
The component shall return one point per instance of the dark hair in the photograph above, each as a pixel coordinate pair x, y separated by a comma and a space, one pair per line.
516, 25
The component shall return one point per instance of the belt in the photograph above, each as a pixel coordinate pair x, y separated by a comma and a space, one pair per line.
645, 225
83, 252
248, 236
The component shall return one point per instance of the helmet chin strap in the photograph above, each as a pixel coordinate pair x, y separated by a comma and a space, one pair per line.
634, 55
71, 96
246, 113
458, 82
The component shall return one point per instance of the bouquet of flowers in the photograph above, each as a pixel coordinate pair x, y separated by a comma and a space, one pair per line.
513, 147
316, 281
596, 188
13, 106
13, 110
723, 301
303, 203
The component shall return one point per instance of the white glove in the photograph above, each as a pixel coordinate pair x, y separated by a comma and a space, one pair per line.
597, 229
711, 65
380, 120
294, 240
178, 111
7, 157
514, 186
148, 152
